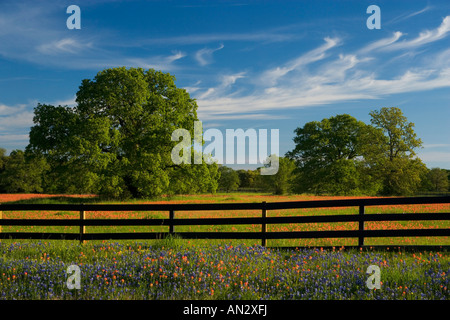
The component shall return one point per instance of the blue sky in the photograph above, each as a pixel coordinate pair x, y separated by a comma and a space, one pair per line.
249, 64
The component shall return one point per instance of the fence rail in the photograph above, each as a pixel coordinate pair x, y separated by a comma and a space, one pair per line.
361, 217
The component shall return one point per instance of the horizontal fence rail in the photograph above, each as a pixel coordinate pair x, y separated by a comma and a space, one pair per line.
361, 217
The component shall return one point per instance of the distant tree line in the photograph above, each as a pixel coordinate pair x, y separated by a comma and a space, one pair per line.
116, 142
435, 181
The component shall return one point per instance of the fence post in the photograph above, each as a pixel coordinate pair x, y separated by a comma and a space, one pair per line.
171, 217
263, 225
361, 226
82, 226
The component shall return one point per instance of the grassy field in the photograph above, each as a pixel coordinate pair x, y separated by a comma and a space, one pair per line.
183, 270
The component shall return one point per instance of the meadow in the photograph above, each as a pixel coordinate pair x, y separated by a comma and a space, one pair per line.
221, 269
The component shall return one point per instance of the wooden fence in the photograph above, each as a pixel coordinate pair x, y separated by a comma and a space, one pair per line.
361, 217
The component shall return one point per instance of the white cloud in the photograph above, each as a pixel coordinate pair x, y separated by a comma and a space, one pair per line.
436, 145
209, 92
203, 115
18, 120
381, 43
204, 56
67, 102
175, 56
65, 45
13, 138
15, 118
267, 36
272, 76
406, 16
424, 37
228, 80
8, 110
165, 63
340, 77
435, 157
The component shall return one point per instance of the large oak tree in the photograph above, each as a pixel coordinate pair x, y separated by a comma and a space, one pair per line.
326, 154
116, 141
343, 156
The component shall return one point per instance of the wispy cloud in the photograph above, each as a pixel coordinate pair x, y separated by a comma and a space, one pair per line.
326, 75
204, 56
226, 81
15, 118
9, 110
156, 62
13, 138
65, 45
273, 75
434, 157
381, 43
33, 33
436, 145
16, 121
70, 102
230, 79
265, 36
406, 16
424, 37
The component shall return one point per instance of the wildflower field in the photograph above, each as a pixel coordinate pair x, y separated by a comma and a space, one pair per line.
180, 269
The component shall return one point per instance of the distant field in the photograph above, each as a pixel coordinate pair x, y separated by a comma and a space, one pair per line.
236, 197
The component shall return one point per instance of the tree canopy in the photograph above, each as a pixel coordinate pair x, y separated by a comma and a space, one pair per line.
282, 181
20, 173
392, 156
229, 179
437, 180
117, 140
326, 154
341, 155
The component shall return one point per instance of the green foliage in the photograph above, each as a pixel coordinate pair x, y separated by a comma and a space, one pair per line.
400, 138
248, 178
281, 182
2, 168
436, 180
327, 154
229, 179
206, 178
344, 156
2, 157
402, 176
117, 140
392, 158
22, 173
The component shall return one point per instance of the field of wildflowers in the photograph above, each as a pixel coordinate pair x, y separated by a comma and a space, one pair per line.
177, 269
38, 270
